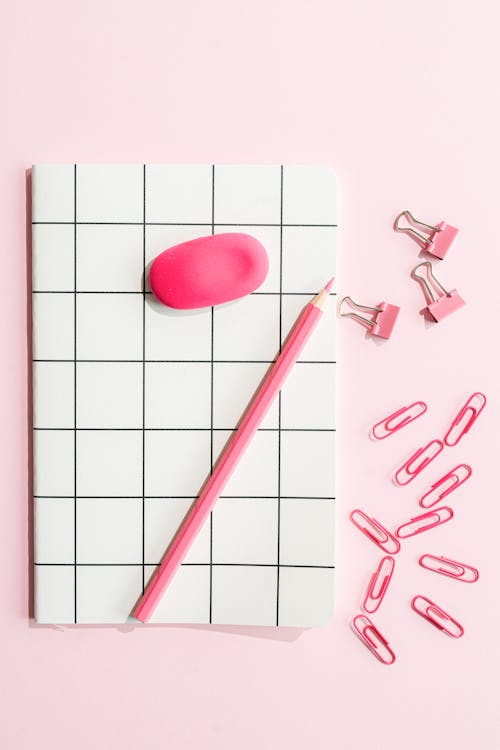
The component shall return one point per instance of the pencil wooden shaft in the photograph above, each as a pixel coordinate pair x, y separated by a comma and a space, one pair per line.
229, 458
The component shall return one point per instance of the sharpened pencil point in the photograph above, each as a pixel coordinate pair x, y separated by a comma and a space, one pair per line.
321, 298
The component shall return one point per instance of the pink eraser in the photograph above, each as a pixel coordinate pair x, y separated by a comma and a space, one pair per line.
208, 270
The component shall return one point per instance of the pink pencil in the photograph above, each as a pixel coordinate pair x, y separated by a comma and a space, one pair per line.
231, 454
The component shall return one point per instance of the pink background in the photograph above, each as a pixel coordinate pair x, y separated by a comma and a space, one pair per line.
403, 102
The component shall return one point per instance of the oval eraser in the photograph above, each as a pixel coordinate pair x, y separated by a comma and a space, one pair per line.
208, 270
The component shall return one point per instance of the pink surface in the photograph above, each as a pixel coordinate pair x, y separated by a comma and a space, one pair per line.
402, 102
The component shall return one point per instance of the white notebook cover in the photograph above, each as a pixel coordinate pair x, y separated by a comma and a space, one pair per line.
133, 401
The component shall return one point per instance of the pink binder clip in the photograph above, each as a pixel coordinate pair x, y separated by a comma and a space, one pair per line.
465, 418
424, 522
373, 639
440, 302
417, 462
450, 482
451, 568
378, 584
435, 240
376, 532
397, 420
437, 616
383, 317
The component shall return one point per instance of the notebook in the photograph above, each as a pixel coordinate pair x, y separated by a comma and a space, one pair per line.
133, 401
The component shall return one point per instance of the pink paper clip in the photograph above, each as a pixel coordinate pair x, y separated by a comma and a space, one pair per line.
435, 240
376, 532
383, 317
437, 616
373, 639
457, 570
449, 483
465, 418
440, 302
378, 584
417, 462
424, 522
397, 420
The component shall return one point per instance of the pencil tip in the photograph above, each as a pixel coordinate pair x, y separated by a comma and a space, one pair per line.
321, 298
330, 284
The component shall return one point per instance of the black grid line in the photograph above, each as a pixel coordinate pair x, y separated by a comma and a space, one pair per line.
280, 324
143, 537
212, 320
75, 512
185, 497
211, 428
184, 361
149, 293
183, 224
187, 565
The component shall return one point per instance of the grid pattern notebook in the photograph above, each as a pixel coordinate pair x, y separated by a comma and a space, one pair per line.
133, 401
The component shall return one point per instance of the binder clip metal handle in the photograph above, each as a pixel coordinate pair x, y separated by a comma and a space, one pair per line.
440, 301
383, 316
435, 240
